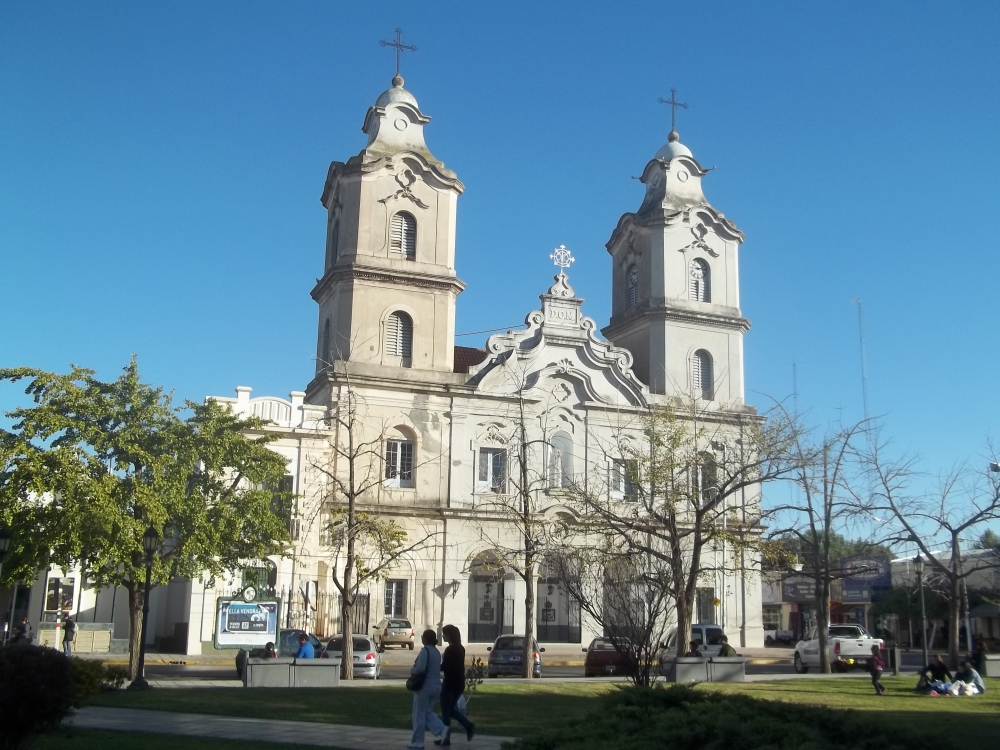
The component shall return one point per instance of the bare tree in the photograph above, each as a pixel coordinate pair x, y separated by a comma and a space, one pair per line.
365, 543
964, 502
823, 504
692, 479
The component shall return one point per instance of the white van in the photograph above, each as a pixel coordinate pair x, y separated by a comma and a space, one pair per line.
705, 635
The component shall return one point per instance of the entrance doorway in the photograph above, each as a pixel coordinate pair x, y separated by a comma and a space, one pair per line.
491, 614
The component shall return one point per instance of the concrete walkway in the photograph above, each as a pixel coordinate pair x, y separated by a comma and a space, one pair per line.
263, 730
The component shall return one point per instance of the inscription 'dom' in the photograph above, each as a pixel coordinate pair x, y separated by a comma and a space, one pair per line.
562, 315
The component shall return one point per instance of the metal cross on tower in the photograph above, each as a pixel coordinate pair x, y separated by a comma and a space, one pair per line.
674, 104
562, 257
398, 44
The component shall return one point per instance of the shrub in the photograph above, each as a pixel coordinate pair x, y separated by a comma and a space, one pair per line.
88, 676
37, 691
682, 718
114, 677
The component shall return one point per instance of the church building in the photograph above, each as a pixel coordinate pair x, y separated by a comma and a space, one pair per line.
437, 420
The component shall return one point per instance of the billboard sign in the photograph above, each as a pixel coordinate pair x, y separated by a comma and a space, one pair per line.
863, 574
798, 589
242, 624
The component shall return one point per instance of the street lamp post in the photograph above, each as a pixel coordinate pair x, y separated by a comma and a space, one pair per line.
918, 565
150, 543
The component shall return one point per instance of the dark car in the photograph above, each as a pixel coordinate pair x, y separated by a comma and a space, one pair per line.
604, 658
507, 653
288, 646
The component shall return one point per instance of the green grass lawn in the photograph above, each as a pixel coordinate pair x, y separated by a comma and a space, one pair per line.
523, 710
98, 739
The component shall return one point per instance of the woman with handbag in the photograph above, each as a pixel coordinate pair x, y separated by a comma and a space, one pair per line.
425, 683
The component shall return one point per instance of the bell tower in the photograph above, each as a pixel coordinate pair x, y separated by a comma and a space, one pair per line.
387, 294
675, 296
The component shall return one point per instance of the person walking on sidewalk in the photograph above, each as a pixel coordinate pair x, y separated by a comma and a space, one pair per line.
875, 666
69, 635
453, 669
427, 671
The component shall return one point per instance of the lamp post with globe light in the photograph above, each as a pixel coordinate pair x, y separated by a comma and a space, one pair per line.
150, 544
918, 566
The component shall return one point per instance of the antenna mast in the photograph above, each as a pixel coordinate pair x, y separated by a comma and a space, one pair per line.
864, 356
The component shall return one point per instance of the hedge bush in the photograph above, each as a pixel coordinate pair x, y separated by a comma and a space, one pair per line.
37, 691
681, 718
39, 687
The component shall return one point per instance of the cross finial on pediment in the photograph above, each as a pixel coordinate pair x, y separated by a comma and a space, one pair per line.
562, 257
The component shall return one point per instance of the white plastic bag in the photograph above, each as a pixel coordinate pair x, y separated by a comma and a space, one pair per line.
461, 704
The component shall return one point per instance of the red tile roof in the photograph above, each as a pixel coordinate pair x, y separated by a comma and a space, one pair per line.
466, 357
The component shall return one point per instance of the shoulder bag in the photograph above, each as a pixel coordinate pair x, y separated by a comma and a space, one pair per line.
416, 681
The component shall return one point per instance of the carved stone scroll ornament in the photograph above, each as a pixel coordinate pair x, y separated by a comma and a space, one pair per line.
699, 243
405, 180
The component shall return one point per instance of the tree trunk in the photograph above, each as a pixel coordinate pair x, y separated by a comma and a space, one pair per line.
954, 619
823, 623
135, 602
528, 657
347, 601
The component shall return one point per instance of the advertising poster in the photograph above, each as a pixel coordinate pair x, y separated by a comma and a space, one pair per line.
245, 624
863, 575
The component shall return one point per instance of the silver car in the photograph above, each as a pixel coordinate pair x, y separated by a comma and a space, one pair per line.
367, 660
394, 631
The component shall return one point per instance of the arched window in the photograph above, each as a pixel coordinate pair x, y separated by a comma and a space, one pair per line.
403, 236
701, 281
705, 475
633, 286
560, 463
702, 378
399, 336
399, 452
324, 352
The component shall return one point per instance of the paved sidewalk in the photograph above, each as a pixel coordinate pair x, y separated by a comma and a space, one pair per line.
262, 730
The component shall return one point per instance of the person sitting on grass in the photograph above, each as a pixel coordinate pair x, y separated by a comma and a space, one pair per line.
306, 650
726, 649
966, 678
693, 650
934, 672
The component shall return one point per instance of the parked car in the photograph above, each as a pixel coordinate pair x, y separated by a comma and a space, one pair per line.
367, 660
394, 631
506, 656
287, 646
849, 646
778, 636
609, 656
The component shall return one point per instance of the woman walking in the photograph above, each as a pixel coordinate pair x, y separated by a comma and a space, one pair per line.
453, 667
428, 664
876, 665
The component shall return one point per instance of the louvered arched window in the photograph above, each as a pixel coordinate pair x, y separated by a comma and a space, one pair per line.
399, 336
633, 286
702, 378
403, 236
701, 281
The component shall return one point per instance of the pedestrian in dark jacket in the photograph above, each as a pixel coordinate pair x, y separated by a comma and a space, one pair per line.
22, 632
875, 666
69, 635
453, 684
726, 649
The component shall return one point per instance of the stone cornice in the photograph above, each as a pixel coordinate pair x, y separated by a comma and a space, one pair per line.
339, 274
621, 324
703, 213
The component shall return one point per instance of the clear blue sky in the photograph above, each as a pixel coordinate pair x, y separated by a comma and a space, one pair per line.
161, 166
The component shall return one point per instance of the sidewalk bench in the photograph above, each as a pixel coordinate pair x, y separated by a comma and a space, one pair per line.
992, 665
715, 669
287, 672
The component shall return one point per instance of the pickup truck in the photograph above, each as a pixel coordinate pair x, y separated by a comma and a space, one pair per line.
850, 646
778, 636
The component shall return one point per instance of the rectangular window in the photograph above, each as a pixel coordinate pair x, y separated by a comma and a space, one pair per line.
398, 463
623, 471
325, 533
705, 604
492, 470
395, 598
59, 594
771, 618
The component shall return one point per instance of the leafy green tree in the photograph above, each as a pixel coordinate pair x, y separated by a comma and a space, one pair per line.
988, 540
92, 464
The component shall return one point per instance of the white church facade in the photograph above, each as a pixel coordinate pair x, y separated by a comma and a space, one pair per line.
440, 418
